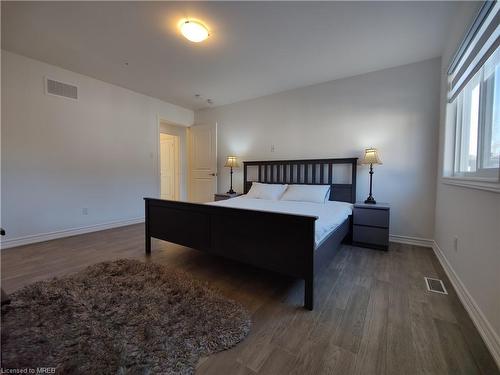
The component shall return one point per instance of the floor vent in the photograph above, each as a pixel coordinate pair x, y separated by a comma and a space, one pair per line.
57, 88
435, 285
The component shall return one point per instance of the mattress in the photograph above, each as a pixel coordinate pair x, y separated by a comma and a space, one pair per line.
330, 214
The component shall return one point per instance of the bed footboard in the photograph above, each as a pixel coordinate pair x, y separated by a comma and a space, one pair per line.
278, 242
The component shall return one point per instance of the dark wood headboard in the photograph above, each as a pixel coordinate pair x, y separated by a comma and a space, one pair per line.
310, 172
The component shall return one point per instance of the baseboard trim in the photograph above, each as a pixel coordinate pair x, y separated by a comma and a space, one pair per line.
425, 242
482, 324
20, 241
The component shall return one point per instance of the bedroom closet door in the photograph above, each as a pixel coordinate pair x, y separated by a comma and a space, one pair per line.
202, 162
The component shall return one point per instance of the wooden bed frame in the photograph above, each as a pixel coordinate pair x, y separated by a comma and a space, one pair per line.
278, 242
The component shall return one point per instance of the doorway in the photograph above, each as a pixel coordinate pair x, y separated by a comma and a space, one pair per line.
169, 166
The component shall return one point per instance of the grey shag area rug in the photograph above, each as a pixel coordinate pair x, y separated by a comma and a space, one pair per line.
122, 317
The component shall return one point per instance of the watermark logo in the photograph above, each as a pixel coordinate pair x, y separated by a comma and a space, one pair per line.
28, 370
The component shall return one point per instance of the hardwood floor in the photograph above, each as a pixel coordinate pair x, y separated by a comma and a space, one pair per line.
373, 313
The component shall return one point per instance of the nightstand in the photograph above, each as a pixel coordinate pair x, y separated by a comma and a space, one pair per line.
224, 196
371, 225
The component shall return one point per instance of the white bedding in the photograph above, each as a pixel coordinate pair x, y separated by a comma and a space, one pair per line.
330, 214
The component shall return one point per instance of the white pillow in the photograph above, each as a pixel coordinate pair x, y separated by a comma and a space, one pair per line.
266, 191
307, 193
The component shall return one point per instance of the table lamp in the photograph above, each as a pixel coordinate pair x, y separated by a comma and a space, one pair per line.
371, 157
231, 162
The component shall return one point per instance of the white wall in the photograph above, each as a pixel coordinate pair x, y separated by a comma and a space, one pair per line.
60, 155
473, 216
181, 132
395, 110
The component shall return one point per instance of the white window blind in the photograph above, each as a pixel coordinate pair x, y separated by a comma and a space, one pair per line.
474, 100
480, 42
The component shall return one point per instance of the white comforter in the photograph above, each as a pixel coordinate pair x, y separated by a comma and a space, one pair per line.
330, 214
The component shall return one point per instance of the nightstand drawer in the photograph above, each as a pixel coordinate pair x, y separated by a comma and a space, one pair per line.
371, 235
224, 196
372, 217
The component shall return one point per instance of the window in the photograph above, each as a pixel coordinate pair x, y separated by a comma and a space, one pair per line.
472, 137
477, 124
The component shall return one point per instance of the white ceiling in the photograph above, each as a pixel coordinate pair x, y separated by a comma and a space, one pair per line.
254, 49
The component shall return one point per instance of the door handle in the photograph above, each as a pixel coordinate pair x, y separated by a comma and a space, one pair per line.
213, 174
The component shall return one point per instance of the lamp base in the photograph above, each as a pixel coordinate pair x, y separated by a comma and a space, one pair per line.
231, 191
370, 200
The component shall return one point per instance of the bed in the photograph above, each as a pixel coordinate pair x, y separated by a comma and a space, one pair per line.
329, 215
280, 238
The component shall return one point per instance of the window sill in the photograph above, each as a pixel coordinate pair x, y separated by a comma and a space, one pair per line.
472, 183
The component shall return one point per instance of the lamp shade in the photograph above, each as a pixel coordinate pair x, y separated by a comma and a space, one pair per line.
232, 162
371, 157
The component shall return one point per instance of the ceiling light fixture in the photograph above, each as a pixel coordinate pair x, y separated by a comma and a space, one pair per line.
194, 31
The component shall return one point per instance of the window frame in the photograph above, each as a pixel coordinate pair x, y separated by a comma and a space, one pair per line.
483, 177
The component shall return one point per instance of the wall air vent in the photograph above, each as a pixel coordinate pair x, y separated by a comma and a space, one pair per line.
435, 285
53, 87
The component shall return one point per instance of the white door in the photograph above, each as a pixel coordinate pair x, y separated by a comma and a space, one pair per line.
202, 163
169, 166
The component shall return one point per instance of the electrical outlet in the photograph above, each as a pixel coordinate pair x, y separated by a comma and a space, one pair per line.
272, 148
85, 211
455, 243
